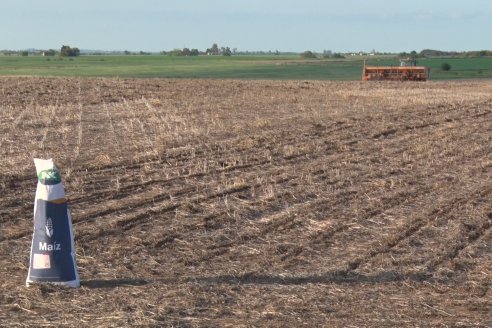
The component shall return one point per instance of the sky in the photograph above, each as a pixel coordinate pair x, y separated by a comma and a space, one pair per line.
284, 25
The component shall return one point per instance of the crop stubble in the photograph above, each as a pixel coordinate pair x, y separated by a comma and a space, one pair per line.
231, 203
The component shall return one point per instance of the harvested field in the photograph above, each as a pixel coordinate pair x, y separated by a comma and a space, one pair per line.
236, 204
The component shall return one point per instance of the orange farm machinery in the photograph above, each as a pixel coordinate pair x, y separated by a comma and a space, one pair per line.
403, 72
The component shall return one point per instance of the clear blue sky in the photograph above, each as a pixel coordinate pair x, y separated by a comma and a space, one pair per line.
286, 25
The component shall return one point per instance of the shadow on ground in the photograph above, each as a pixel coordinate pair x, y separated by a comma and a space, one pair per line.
255, 279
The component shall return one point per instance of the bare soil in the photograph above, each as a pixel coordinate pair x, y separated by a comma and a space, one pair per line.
237, 204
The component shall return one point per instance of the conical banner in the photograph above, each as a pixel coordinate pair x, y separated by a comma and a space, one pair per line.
52, 250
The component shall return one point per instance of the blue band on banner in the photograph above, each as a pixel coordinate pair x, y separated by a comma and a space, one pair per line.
51, 254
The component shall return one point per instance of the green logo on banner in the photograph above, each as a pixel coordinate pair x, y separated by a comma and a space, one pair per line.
49, 177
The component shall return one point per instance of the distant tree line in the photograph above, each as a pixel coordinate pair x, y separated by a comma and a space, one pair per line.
182, 52
308, 54
50, 52
439, 53
214, 50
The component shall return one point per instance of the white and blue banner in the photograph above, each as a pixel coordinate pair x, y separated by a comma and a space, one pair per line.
52, 257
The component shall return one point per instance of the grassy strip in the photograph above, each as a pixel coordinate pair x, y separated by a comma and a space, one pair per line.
236, 67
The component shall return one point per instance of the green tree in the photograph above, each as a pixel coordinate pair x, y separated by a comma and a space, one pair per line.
175, 52
226, 51
214, 50
308, 54
67, 51
445, 67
